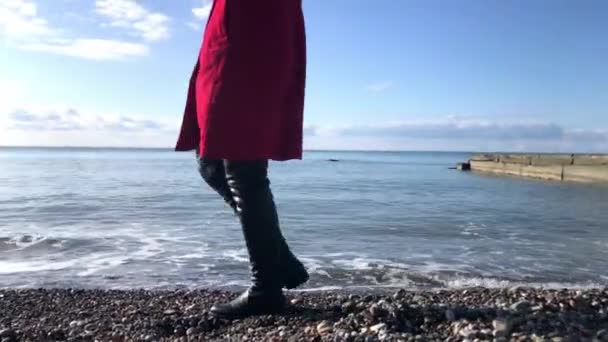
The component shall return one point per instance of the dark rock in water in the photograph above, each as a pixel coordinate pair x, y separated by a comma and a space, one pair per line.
463, 166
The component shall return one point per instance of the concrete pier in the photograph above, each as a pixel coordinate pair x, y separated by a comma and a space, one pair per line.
558, 167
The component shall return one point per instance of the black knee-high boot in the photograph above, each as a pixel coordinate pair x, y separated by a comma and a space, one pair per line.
250, 188
213, 172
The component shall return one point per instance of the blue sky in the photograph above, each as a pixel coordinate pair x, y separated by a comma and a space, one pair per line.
389, 74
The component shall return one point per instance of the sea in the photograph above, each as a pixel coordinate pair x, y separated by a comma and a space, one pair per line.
143, 218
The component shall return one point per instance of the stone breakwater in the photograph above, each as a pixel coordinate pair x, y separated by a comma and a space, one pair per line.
571, 168
476, 314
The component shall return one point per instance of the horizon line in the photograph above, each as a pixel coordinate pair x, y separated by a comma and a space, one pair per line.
305, 150
172, 149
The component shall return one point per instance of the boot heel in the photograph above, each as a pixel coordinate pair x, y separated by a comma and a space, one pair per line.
295, 273
295, 279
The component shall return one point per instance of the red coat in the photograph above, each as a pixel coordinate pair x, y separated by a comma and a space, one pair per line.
246, 94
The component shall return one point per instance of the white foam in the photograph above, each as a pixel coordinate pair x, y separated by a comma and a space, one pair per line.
239, 255
318, 289
12, 267
23, 241
194, 255
313, 265
462, 282
102, 262
343, 254
151, 247
362, 264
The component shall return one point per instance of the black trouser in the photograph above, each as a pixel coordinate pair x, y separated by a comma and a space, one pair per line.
245, 186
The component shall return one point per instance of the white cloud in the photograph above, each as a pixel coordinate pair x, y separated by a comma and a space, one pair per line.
23, 27
151, 26
13, 93
19, 20
459, 133
200, 14
380, 87
459, 128
65, 126
203, 11
194, 25
63, 118
94, 49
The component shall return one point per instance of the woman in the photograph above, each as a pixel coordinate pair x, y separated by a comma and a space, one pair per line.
245, 107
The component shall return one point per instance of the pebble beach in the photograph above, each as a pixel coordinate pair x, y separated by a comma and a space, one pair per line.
475, 314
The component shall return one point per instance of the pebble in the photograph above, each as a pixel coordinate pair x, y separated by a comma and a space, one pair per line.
348, 306
502, 326
170, 312
7, 332
399, 294
486, 332
74, 324
520, 306
192, 331
418, 299
468, 332
376, 328
179, 331
450, 315
447, 315
324, 328
537, 308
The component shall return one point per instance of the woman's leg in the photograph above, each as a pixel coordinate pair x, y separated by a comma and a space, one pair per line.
248, 182
214, 174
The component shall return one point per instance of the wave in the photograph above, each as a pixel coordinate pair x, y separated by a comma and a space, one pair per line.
383, 274
26, 241
132, 256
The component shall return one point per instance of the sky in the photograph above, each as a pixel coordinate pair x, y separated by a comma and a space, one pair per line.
465, 75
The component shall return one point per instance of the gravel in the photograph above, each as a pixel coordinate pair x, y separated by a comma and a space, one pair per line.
476, 314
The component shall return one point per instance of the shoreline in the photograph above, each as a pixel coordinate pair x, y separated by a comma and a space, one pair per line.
520, 314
